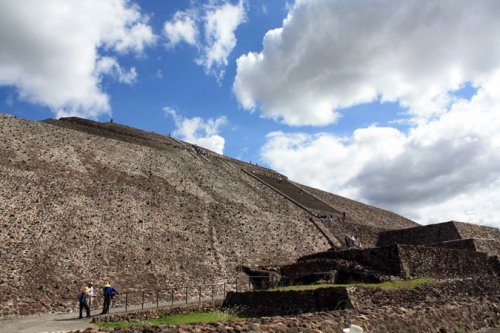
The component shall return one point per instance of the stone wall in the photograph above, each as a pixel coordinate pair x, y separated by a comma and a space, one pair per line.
421, 261
468, 230
437, 233
272, 303
440, 292
466, 316
383, 259
405, 261
421, 235
489, 246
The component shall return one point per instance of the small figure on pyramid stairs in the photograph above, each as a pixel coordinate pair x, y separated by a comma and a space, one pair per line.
108, 292
83, 301
352, 242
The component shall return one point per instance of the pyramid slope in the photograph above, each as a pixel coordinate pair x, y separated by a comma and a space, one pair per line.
85, 201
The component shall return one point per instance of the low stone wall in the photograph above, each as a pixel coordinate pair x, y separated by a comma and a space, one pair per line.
267, 303
272, 303
468, 230
437, 233
159, 312
467, 315
422, 235
382, 259
443, 293
422, 261
489, 246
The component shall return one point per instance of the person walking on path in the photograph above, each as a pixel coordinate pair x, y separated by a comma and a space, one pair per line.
91, 294
108, 292
83, 300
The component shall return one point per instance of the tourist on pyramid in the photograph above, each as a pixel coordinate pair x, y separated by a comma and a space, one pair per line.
91, 294
108, 292
83, 300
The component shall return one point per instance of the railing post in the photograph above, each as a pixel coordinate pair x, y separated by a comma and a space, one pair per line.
172, 296
249, 283
126, 301
142, 300
236, 285
157, 300
212, 292
224, 290
199, 293
186, 295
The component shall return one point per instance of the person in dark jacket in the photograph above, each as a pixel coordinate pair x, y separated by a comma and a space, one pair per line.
83, 300
108, 292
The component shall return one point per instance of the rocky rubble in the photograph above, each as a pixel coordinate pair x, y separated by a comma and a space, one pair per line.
425, 318
466, 304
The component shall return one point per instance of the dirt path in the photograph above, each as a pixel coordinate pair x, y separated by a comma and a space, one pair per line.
45, 323
62, 322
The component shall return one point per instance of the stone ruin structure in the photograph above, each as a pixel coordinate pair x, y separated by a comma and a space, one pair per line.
82, 200
461, 258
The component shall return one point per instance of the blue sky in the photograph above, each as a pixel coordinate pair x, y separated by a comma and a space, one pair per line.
373, 100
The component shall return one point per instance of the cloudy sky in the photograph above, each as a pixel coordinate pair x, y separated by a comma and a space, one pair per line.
393, 103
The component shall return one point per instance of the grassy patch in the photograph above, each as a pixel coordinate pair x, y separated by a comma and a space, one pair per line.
189, 318
389, 285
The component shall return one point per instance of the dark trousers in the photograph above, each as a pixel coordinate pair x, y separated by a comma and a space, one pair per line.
87, 309
107, 302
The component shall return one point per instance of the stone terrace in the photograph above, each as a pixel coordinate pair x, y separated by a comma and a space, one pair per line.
404, 261
450, 234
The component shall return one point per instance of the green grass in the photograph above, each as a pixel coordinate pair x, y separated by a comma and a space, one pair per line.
389, 285
189, 318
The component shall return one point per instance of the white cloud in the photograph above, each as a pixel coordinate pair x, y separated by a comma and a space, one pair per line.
109, 66
218, 20
182, 28
204, 133
442, 169
54, 51
336, 54
220, 26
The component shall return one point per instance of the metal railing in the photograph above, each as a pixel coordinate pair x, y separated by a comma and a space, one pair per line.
132, 299
141, 299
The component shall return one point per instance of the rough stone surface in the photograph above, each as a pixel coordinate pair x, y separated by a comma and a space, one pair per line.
362, 214
84, 201
267, 303
272, 303
467, 304
436, 233
467, 315
405, 261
